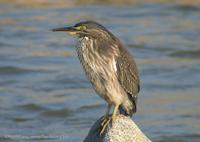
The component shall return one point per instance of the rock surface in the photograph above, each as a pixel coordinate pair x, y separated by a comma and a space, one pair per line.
122, 130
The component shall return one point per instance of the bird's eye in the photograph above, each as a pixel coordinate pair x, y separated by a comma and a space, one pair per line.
80, 28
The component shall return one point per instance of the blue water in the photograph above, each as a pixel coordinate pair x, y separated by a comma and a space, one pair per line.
45, 96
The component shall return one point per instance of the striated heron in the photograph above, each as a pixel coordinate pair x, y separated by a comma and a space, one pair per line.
109, 66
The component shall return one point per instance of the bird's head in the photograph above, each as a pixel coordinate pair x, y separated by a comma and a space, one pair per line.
86, 29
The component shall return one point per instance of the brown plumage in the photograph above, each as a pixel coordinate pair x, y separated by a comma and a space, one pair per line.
109, 66
128, 76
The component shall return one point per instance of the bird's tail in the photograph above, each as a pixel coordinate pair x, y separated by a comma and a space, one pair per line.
128, 107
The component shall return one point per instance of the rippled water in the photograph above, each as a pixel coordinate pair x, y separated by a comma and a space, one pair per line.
44, 92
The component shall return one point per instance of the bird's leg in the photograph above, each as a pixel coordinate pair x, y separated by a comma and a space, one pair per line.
105, 119
113, 112
106, 116
106, 122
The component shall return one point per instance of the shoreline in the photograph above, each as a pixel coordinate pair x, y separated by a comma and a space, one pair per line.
68, 3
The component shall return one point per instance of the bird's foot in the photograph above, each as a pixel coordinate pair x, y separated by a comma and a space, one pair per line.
105, 121
114, 117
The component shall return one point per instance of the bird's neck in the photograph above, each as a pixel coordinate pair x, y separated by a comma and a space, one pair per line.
84, 41
83, 44
84, 38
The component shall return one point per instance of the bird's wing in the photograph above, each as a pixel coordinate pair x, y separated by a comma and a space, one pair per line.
127, 74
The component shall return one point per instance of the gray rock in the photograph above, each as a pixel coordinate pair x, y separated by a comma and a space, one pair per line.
122, 130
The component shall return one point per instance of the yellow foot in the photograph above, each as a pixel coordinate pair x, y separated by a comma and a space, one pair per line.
113, 118
104, 124
105, 121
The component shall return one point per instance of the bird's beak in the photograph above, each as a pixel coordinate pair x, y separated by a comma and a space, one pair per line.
69, 30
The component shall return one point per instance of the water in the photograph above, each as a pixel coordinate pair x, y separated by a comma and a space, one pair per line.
45, 96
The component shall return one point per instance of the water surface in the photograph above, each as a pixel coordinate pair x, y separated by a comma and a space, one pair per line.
45, 96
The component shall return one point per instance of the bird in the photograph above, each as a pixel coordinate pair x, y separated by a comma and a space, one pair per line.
109, 67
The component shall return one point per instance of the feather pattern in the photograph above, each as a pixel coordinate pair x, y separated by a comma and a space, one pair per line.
108, 65
112, 71
101, 69
127, 74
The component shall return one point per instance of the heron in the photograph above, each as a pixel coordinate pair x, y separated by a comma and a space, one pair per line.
109, 67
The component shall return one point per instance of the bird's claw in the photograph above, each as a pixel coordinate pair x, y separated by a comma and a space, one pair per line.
105, 121
104, 124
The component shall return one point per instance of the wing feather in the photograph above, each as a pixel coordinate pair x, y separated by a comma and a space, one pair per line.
127, 74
